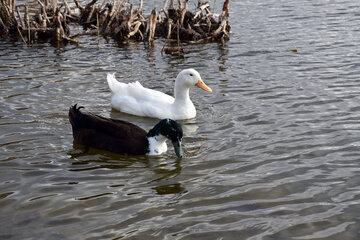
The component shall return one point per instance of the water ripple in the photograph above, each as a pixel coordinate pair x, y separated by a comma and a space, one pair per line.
272, 154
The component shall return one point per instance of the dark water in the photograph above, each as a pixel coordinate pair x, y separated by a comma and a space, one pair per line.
272, 154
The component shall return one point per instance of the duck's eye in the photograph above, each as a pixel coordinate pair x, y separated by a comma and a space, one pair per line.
191, 74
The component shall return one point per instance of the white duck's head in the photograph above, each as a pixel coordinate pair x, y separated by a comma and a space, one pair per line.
190, 78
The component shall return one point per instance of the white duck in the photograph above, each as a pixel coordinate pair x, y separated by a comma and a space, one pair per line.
134, 99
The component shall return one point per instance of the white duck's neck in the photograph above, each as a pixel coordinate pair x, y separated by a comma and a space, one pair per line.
181, 93
157, 145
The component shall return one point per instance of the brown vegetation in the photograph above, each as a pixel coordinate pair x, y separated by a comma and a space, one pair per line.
118, 19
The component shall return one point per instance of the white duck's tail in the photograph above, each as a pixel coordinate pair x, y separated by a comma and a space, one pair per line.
114, 85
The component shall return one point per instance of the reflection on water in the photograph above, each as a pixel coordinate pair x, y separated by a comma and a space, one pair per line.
272, 154
170, 189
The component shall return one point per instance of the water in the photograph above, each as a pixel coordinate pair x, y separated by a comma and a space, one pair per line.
272, 154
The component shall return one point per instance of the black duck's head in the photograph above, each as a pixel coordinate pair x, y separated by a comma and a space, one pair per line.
171, 130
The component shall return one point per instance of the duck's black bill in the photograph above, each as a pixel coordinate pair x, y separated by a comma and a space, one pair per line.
178, 148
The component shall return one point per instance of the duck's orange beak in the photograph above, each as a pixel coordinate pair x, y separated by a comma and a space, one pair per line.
203, 86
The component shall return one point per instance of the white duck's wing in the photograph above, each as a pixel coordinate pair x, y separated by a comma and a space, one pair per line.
133, 98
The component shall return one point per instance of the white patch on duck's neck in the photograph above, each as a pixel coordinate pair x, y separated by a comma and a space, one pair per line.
157, 145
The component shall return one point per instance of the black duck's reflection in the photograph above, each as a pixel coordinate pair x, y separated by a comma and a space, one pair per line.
175, 188
164, 167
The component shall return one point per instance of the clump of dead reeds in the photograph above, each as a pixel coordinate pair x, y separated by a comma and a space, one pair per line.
119, 20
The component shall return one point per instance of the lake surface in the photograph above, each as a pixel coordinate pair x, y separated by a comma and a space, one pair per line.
272, 154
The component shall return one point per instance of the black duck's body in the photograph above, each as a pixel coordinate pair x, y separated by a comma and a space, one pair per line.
106, 133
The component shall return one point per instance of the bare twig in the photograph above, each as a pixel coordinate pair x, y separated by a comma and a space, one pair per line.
180, 4
152, 25
22, 25
140, 7
13, 6
78, 5
225, 10
171, 4
21, 35
136, 29
90, 14
27, 22
164, 6
67, 7
54, 5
